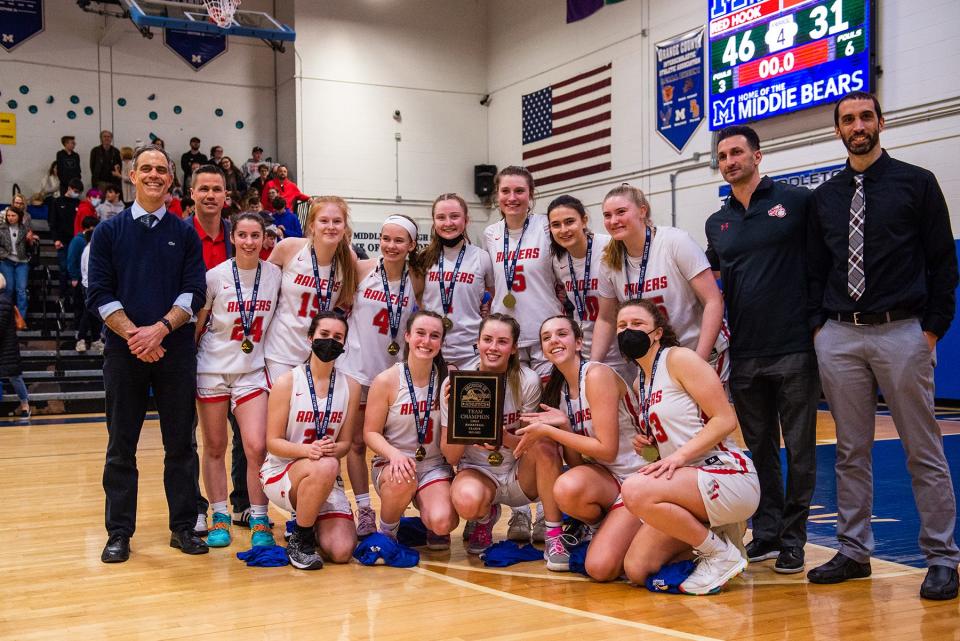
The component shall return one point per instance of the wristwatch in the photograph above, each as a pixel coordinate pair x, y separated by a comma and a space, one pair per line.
167, 324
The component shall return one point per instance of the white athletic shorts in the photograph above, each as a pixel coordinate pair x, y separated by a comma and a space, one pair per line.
274, 370
236, 388
429, 471
276, 485
729, 496
508, 491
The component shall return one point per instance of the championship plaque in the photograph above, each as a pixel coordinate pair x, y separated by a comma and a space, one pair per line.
475, 410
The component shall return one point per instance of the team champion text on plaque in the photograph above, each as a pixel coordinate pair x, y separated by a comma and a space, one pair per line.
475, 413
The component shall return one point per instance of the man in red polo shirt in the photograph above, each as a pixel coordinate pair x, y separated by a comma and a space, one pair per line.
286, 189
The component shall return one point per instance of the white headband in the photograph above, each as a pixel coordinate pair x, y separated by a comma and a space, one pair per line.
404, 222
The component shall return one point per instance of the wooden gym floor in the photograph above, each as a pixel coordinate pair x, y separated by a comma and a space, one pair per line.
57, 588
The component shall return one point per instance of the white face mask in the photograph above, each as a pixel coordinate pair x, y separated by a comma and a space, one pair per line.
73, 194
94, 201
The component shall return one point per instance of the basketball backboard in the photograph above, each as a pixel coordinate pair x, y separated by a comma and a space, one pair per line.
191, 15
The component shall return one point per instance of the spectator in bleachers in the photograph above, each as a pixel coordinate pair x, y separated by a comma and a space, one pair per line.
68, 163
19, 203
105, 162
286, 189
263, 177
191, 160
15, 256
216, 154
285, 220
172, 202
87, 207
95, 324
60, 219
188, 206
128, 193
270, 237
10, 368
85, 329
251, 167
235, 183
50, 185
111, 206
251, 203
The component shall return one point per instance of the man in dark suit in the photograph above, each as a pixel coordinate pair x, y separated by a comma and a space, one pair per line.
147, 281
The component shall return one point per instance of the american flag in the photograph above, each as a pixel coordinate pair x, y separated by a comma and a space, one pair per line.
566, 127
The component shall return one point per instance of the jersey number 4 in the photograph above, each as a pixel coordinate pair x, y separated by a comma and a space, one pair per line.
256, 330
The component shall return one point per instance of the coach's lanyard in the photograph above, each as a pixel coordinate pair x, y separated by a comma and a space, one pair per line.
643, 262
421, 425
581, 301
323, 301
321, 427
575, 423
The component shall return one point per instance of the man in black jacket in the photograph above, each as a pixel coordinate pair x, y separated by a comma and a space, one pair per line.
60, 220
105, 163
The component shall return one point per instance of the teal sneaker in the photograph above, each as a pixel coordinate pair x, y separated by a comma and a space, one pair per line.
219, 535
262, 534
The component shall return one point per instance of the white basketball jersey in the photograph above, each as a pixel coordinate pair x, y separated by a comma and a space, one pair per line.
675, 258
533, 282
512, 408
369, 328
400, 428
300, 424
628, 420
287, 341
588, 294
219, 349
675, 418
475, 275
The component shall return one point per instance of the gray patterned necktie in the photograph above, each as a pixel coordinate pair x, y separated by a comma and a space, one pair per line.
148, 220
856, 279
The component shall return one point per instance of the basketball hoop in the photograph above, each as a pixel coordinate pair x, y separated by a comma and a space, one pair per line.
221, 11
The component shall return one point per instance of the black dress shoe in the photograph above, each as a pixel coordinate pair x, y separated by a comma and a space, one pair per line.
187, 542
838, 569
117, 549
790, 561
940, 583
762, 550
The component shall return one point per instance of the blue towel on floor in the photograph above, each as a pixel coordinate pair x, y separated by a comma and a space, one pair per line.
578, 558
669, 578
380, 546
264, 556
412, 532
504, 553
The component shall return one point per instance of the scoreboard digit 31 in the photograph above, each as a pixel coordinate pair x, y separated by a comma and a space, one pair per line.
772, 57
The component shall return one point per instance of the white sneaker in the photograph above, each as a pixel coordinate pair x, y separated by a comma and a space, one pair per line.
81, 345
714, 570
200, 529
97, 346
518, 527
366, 521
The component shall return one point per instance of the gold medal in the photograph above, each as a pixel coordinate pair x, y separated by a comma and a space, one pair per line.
495, 458
447, 323
510, 300
650, 453
393, 349
421, 453
246, 346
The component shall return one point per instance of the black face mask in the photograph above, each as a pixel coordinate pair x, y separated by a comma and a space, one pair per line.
450, 242
326, 349
633, 343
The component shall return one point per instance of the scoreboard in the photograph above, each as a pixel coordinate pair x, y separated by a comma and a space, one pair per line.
772, 57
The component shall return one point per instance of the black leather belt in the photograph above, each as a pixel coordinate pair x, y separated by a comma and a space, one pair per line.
863, 318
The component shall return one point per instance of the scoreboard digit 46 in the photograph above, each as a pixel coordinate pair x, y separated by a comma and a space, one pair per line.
772, 57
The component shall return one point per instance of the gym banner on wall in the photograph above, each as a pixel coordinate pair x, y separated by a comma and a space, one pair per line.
809, 178
680, 88
195, 48
20, 20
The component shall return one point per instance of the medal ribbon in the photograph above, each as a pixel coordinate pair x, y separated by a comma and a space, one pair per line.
394, 318
246, 321
647, 394
446, 296
643, 263
421, 425
323, 301
581, 301
321, 428
510, 266
577, 426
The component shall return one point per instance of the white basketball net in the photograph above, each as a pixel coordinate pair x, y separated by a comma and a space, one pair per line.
221, 11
